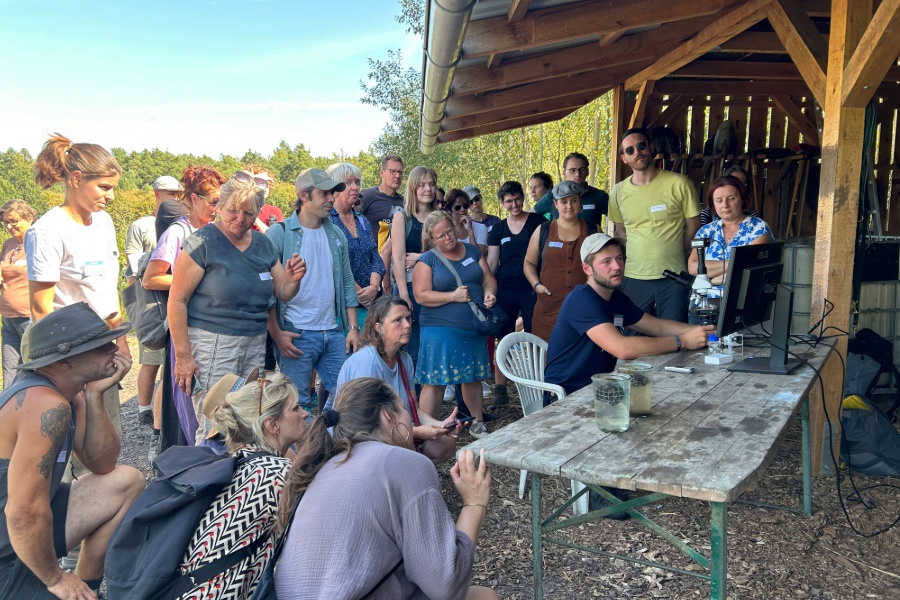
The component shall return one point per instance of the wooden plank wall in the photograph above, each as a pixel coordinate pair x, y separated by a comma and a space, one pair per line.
760, 124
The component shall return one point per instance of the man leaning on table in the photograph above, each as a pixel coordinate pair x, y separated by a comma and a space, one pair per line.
589, 334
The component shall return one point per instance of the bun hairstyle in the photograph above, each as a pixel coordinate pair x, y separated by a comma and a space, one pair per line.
356, 418
430, 223
240, 419
60, 157
201, 181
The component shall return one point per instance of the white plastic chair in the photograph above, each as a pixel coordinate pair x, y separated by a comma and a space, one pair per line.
521, 357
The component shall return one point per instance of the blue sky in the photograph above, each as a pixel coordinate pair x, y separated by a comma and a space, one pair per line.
194, 76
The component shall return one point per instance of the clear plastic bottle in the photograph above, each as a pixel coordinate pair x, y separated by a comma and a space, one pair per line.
713, 343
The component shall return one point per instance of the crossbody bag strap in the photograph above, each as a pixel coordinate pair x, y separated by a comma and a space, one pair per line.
459, 282
409, 396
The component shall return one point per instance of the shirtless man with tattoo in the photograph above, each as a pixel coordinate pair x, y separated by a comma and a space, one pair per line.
55, 408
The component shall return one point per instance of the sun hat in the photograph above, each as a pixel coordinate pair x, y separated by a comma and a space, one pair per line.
218, 394
595, 243
319, 179
167, 183
67, 332
564, 189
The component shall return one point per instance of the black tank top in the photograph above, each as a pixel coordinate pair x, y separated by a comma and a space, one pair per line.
26, 380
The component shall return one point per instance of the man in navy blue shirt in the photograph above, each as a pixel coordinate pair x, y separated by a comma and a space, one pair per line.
588, 337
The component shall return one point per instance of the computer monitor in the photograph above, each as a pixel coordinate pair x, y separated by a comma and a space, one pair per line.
752, 287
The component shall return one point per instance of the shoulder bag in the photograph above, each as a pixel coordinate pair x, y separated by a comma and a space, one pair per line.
487, 321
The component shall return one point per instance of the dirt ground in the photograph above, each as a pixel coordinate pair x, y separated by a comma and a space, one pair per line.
771, 553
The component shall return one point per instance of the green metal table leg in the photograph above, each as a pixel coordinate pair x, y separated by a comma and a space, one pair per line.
719, 549
537, 537
807, 463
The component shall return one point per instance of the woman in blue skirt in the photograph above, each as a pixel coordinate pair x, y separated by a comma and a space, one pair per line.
451, 351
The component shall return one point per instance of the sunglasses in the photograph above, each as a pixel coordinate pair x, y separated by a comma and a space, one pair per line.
641, 146
213, 203
247, 178
460, 207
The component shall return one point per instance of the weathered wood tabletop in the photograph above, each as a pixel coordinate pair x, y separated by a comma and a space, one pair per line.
711, 433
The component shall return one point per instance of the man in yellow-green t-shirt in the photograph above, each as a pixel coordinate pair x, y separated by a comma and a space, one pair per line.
658, 212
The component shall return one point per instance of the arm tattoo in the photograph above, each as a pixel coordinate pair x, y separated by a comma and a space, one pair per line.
20, 399
54, 425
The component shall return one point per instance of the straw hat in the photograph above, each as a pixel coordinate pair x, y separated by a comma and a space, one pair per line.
219, 393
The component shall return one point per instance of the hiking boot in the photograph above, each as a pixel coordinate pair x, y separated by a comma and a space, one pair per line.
478, 429
501, 396
145, 418
596, 502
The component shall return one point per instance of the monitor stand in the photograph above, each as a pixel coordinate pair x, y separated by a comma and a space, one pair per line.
777, 363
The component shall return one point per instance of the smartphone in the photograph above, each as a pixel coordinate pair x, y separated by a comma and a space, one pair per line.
195, 383
459, 421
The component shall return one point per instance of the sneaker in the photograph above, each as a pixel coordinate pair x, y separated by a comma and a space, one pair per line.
486, 390
449, 393
478, 429
596, 502
70, 560
145, 418
153, 451
501, 396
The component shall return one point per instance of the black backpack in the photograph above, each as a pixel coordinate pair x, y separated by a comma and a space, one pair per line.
869, 443
870, 344
146, 549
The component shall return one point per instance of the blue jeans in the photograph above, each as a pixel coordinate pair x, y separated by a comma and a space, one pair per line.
13, 328
323, 351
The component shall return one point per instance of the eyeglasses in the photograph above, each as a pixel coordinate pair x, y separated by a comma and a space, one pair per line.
641, 146
476, 199
395, 172
515, 200
460, 207
576, 171
211, 203
247, 178
447, 235
11, 224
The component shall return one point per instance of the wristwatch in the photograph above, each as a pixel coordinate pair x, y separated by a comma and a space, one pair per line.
356, 328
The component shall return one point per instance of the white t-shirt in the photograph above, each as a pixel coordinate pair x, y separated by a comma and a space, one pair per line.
82, 260
139, 240
313, 306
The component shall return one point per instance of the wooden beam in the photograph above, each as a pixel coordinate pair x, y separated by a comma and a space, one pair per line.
493, 60
724, 28
757, 42
610, 38
540, 91
842, 141
675, 107
618, 114
708, 87
803, 42
876, 53
578, 21
462, 134
746, 70
517, 10
576, 59
798, 118
640, 107
569, 101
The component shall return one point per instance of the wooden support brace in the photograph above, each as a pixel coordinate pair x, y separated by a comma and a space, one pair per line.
676, 105
800, 120
803, 42
876, 53
640, 107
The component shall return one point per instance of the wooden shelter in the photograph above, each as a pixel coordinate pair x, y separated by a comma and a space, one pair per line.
768, 66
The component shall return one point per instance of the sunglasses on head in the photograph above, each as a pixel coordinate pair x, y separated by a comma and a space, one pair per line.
262, 384
641, 146
247, 178
460, 207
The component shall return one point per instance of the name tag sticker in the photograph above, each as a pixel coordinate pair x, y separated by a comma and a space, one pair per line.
265, 276
556, 244
504, 240
618, 320
468, 262
61, 457
587, 207
658, 208
93, 267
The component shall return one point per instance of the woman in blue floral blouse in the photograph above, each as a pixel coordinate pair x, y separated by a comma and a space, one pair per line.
365, 262
728, 198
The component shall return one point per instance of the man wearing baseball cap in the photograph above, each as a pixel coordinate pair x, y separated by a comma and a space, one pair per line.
588, 337
55, 408
169, 206
317, 329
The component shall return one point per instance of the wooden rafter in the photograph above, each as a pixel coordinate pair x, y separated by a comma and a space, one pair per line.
640, 107
462, 134
578, 21
873, 58
517, 10
493, 60
751, 70
757, 42
731, 87
724, 28
540, 91
798, 118
803, 42
576, 59
675, 106
610, 38
569, 101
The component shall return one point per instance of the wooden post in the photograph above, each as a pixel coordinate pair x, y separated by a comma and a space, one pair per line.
618, 128
842, 140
